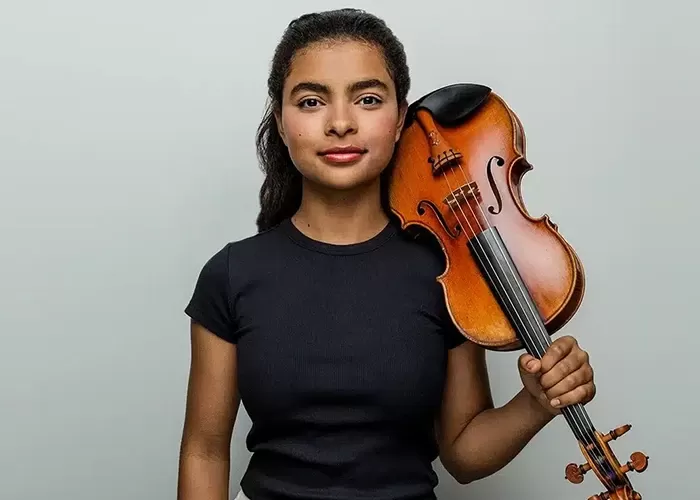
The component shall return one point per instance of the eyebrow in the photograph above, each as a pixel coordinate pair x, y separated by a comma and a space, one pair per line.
355, 87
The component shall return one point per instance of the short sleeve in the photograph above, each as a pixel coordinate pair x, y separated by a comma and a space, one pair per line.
453, 337
210, 304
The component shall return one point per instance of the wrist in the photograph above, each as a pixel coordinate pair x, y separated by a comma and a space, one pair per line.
535, 409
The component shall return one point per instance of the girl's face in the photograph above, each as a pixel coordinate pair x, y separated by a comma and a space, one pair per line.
339, 117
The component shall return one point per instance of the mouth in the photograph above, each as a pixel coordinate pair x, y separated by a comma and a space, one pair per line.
344, 154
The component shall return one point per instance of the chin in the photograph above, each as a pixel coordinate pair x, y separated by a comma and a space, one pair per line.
345, 177
348, 178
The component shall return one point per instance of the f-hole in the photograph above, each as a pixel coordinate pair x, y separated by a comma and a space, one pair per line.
454, 233
489, 173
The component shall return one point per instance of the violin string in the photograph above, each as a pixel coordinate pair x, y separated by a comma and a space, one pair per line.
578, 414
538, 347
575, 417
577, 424
542, 340
577, 411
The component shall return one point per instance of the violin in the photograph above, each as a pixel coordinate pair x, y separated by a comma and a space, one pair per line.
511, 280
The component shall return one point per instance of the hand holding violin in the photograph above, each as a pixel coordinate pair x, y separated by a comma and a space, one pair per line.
561, 378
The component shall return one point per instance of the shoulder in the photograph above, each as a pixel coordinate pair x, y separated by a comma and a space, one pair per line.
419, 244
241, 254
222, 276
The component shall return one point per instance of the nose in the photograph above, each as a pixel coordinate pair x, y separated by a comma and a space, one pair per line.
341, 121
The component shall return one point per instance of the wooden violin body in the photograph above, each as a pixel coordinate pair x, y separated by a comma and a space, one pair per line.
452, 197
511, 280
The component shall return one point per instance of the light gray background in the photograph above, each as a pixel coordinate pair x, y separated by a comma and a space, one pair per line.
127, 159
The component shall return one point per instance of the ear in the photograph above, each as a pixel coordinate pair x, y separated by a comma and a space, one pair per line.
280, 127
402, 119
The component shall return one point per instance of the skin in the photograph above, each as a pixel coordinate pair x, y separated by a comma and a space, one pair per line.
341, 205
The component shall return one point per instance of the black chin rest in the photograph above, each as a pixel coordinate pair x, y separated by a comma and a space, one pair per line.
450, 105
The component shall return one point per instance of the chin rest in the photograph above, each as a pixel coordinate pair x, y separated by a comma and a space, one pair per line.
450, 105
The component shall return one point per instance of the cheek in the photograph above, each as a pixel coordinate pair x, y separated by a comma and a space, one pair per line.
383, 137
383, 130
300, 137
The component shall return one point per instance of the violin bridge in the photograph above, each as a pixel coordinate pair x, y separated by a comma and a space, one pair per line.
462, 194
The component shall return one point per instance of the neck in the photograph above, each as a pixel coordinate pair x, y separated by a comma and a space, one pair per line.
340, 217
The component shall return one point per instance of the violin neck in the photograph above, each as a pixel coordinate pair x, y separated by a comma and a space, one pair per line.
506, 283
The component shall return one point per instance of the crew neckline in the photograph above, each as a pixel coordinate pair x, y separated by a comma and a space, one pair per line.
309, 243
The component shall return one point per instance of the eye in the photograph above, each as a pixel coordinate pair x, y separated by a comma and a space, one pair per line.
370, 100
308, 102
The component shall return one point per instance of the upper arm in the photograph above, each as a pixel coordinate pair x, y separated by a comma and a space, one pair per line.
212, 394
467, 392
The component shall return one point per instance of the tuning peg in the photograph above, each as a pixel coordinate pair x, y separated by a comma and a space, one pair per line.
616, 433
638, 462
574, 473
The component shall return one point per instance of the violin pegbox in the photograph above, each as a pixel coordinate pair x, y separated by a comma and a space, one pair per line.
638, 462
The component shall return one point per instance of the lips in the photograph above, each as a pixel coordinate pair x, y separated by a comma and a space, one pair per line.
342, 150
342, 154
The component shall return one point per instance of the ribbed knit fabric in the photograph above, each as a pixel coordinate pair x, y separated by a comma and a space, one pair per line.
341, 361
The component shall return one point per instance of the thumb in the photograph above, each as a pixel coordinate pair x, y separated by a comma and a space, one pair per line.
529, 364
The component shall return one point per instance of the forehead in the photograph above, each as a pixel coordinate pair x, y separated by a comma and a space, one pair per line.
338, 64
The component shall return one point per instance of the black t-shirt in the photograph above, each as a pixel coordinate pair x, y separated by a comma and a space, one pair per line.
342, 354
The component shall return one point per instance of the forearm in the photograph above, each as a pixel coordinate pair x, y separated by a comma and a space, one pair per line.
494, 437
203, 475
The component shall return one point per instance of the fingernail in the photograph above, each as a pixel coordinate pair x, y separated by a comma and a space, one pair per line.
555, 403
531, 364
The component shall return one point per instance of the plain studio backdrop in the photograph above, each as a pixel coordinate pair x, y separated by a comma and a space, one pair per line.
127, 158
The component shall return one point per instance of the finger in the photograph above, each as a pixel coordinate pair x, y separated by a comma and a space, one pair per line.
582, 376
529, 363
570, 364
558, 350
581, 394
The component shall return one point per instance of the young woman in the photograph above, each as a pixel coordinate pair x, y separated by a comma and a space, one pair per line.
329, 324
